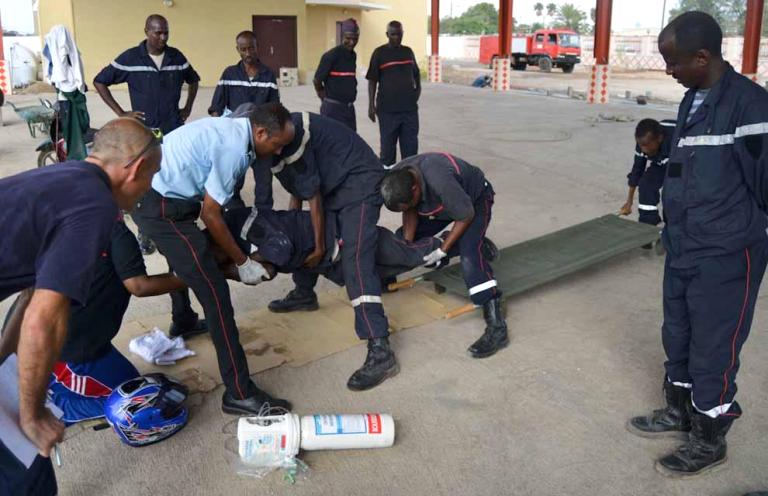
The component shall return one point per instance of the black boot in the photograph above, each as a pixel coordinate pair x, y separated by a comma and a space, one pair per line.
260, 403
495, 336
199, 327
297, 299
670, 421
706, 447
379, 365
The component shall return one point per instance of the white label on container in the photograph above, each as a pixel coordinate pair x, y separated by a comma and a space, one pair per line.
326, 425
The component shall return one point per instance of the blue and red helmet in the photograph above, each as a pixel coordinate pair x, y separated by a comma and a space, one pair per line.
147, 409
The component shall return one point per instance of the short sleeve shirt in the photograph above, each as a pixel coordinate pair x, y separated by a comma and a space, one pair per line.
206, 156
450, 186
397, 73
56, 222
236, 88
93, 325
156, 91
337, 73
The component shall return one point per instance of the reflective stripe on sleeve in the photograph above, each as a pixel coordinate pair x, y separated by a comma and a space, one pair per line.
366, 299
482, 287
247, 84
298, 153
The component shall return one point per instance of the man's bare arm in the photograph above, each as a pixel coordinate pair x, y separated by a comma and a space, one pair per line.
106, 95
191, 95
410, 223
145, 285
213, 219
43, 331
9, 341
318, 227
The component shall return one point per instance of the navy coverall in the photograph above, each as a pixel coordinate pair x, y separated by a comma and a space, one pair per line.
329, 158
650, 178
285, 239
399, 89
451, 190
154, 91
235, 88
337, 73
715, 203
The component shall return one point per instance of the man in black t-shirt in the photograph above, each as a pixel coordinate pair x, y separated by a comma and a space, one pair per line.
394, 72
336, 80
89, 367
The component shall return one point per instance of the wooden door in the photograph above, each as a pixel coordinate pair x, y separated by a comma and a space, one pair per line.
277, 40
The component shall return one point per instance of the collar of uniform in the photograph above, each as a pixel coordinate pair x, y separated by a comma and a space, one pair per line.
716, 92
89, 167
145, 53
251, 145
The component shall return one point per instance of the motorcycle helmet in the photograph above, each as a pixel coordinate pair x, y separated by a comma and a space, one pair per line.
147, 409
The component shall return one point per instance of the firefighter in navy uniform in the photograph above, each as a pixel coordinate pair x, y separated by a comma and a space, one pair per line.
394, 88
715, 204
246, 84
433, 191
653, 145
336, 79
329, 165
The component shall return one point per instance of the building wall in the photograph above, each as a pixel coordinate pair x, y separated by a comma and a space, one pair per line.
412, 14
204, 30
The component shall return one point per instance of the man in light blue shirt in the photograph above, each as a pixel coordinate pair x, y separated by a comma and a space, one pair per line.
202, 162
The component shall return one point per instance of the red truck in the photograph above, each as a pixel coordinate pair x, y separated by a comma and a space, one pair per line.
546, 48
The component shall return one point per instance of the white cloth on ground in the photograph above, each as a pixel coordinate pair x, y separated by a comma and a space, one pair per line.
158, 349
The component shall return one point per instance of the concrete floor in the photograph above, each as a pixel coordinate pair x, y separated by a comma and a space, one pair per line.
544, 417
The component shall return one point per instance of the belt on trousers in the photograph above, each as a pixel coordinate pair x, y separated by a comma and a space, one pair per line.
336, 102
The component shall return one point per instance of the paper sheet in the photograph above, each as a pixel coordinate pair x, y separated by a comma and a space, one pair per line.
10, 431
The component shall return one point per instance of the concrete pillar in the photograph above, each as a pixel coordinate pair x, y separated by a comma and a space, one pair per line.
752, 28
501, 64
597, 92
5, 74
435, 69
500, 79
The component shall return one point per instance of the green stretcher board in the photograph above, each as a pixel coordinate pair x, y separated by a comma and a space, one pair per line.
541, 260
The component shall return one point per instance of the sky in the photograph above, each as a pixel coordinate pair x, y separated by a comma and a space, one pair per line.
17, 14
627, 14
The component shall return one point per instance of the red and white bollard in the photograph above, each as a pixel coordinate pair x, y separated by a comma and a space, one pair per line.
598, 84
435, 69
5, 77
501, 74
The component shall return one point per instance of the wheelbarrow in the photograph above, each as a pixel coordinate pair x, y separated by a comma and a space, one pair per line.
37, 117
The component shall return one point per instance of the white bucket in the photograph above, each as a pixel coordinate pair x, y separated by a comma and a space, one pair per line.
269, 441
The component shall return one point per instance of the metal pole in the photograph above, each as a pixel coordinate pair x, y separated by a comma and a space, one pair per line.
752, 29
505, 27
435, 27
603, 31
663, 14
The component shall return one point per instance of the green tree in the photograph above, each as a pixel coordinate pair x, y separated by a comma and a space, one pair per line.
539, 8
551, 11
479, 19
569, 16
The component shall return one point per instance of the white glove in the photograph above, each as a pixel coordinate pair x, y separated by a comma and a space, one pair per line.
434, 257
251, 272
